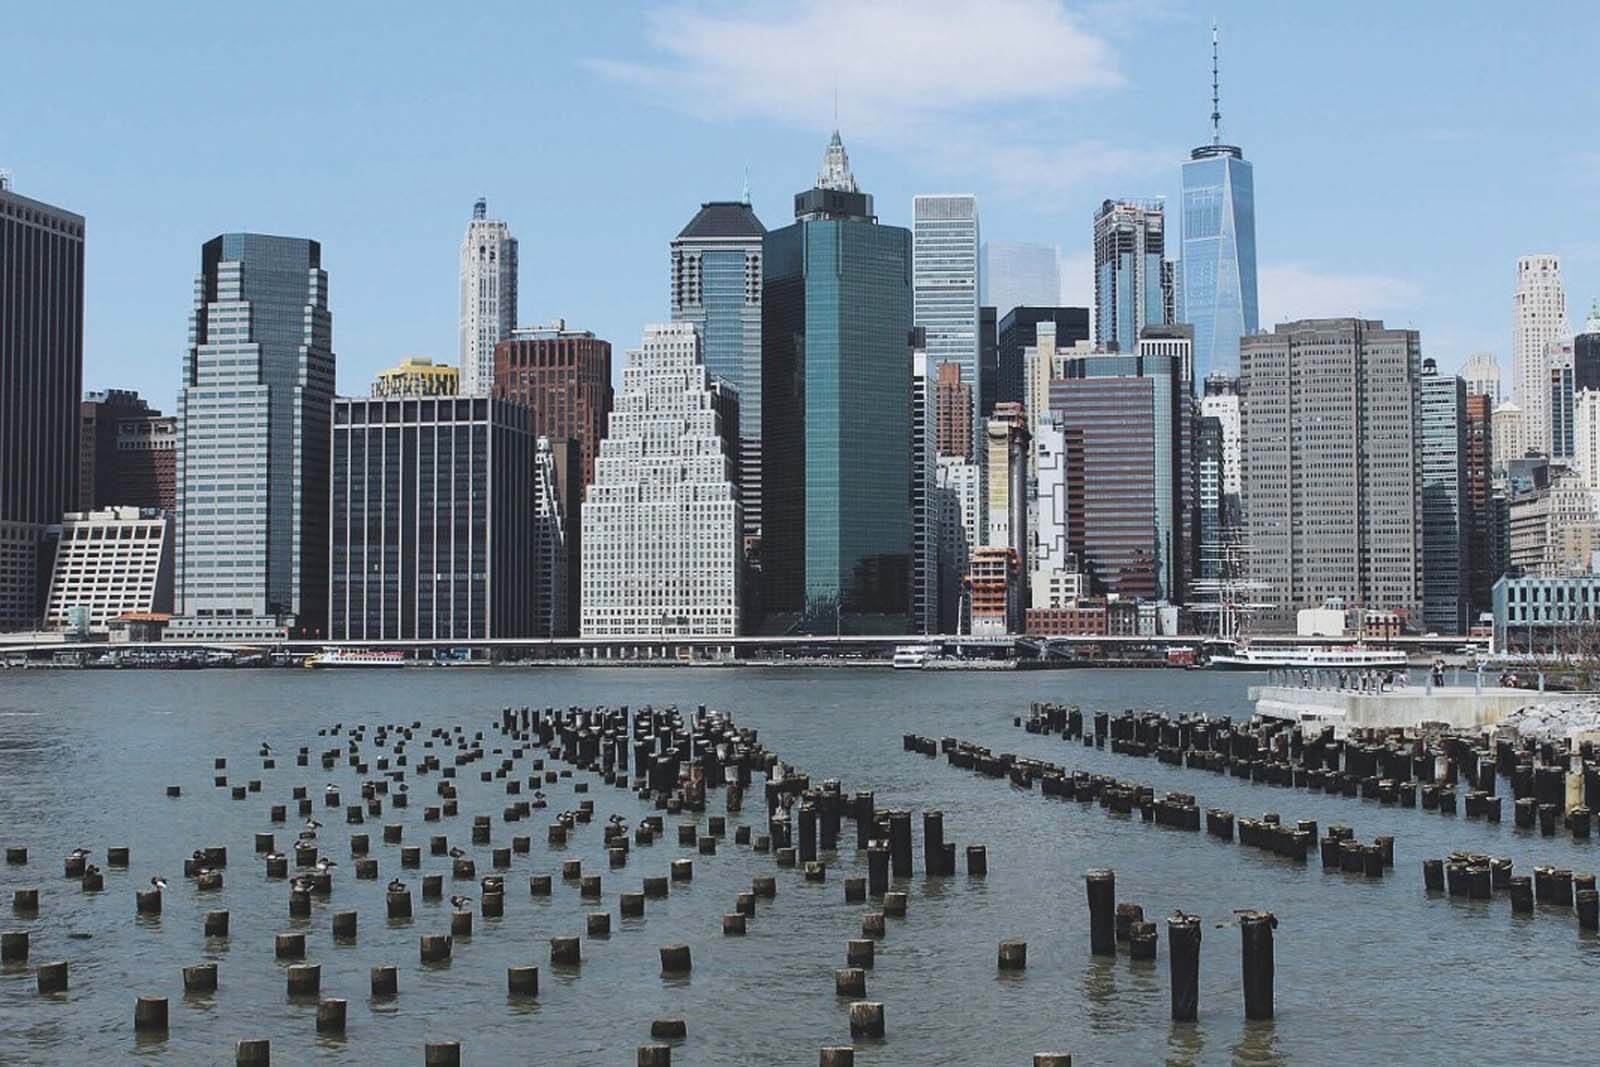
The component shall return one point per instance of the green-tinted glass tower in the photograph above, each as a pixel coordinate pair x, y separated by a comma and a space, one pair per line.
836, 412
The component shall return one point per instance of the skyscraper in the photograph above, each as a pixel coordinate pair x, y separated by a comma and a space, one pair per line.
1482, 374
1217, 291
1446, 519
253, 429
952, 400
1332, 475
565, 377
1539, 316
1018, 330
127, 454
661, 524
924, 491
1507, 437
1558, 356
836, 318
1018, 274
1132, 277
1586, 352
716, 284
1479, 495
944, 283
988, 359
488, 273
41, 346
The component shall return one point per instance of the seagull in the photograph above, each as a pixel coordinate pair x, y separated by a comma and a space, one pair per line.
312, 824
457, 853
159, 883
397, 886
301, 885
307, 835
330, 788
198, 855
78, 853
90, 869
459, 901
270, 856
265, 747
325, 863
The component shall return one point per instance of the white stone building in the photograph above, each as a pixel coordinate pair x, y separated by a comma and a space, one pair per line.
488, 275
662, 524
958, 488
1507, 435
1481, 372
924, 501
1539, 316
110, 562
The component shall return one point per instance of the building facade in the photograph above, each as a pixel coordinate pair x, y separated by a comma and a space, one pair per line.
1133, 280
716, 284
1005, 457
662, 532
1446, 501
1481, 372
1217, 290
254, 432
836, 320
41, 347
565, 377
1542, 614
1558, 357
127, 453
418, 376
1586, 352
952, 400
488, 278
957, 484
944, 283
924, 492
1019, 274
1508, 441
1481, 512
1051, 562
1539, 316
110, 562
1331, 472
1018, 331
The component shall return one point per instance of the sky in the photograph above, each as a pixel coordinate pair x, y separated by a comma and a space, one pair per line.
1405, 154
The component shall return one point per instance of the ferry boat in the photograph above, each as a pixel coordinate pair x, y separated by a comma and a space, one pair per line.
350, 657
910, 657
1310, 657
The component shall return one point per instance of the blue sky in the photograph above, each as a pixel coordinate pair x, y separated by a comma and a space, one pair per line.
1405, 154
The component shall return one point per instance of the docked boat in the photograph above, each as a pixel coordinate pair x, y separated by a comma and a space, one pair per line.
355, 657
910, 657
1310, 657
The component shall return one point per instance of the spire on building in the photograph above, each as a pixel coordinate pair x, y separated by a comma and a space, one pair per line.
744, 197
480, 208
835, 172
1216, 107
1592, 324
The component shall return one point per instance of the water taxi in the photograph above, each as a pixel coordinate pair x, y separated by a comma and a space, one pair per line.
354, 657
910, 657
1310, 657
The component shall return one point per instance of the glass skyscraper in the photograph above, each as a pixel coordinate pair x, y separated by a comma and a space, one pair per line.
254, 433
1132, 276
836, 399
945, 283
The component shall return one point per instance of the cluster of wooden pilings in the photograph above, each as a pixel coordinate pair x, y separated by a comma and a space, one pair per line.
1554, 890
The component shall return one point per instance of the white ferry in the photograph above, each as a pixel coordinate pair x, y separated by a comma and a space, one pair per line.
1310, 657
910, 657
349, 657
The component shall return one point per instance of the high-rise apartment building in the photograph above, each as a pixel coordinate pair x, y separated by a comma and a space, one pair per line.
1332, 472
1217, 290
1481, 372
1132, 276
433, 525
127, 454
1558, 356
1446, 501
1479, 494
1209, 466
952, 399
957, 483
944, 283
488, 276
716, 284
1539, 316
110, 562
924, 491
565, 377
1018, 331
662, 533
253, 437
1019, 274
1586, 437
41, 347
1586, 352
418, 376
1507, 435
1053, 571
551, 597
988, 359
1005, 457
836, 318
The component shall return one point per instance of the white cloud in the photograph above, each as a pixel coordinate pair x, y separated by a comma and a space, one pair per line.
897, 65
1295, 291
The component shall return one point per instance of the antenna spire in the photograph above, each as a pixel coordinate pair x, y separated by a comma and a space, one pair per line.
745, 196
1216, 108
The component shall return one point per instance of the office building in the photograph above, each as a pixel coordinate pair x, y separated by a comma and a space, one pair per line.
1507, 436
1481, 372
41, 344
944, 283
1132, 277
1053, 576
1586, 352
1332, 472
488, 275
1539, 316
836, 316
1552, 527
418, 376
924, 489
1220, 400
1446, 501
716, 284
127, 453
565, 377
253, 437
1019, 274
1005, 456
1217, 290
662, 533
110, 562
1559, 358
1018, 331
994, 591
1209, 467
551, 597
952, 400
1545, 613
433, 532
988, 360
1480, 503
1586, 437
1127, 422
957, 484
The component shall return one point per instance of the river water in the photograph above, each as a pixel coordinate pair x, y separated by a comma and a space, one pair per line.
1370, 970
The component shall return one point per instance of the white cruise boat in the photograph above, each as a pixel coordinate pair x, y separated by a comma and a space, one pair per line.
910, 657
350, 657
1310, 657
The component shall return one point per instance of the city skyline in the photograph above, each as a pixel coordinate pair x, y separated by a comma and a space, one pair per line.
1132, 125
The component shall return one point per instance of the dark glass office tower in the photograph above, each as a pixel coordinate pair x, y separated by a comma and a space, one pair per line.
41, 377
1018, 330
836, 412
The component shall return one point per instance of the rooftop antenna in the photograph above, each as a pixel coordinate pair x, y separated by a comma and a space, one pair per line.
5, 179
1216, 108
744, 198
480, 208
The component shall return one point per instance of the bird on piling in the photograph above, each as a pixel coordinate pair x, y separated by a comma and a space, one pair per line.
265, 747
301, 884
459, 901
78, 853
325, 864
457, 852
270, 856
312, 824
397, 886
159, 882
330, 788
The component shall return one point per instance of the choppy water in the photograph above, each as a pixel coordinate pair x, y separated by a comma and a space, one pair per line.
1369, 970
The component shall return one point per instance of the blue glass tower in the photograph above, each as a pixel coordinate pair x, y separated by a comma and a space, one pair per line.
1217, 268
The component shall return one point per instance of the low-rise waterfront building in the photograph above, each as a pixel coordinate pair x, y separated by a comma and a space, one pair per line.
109, 563
1547, 613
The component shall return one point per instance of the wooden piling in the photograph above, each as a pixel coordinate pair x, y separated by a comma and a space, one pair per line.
1255, 930
1102, 888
